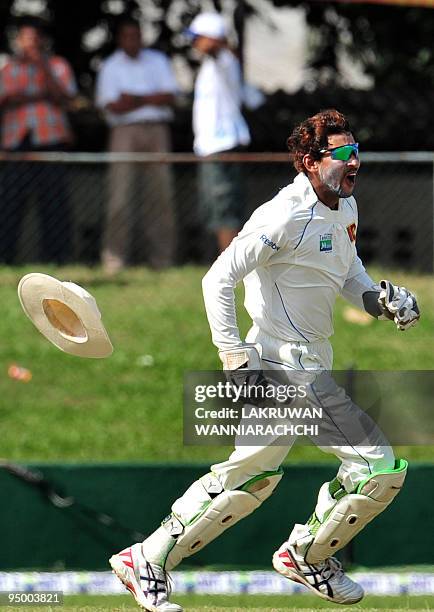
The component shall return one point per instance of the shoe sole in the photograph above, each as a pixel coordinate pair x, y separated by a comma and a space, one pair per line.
131, 584
296, 577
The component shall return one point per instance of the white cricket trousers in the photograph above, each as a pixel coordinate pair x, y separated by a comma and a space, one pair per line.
357, 462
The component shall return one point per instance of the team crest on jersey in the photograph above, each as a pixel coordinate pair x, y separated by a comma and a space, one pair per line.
352, 231
325, 242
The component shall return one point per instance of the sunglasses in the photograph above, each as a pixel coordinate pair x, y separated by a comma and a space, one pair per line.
344, 152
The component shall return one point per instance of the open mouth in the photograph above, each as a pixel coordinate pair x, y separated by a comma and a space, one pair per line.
351, 177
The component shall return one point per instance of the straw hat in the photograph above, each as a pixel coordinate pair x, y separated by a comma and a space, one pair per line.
66, 314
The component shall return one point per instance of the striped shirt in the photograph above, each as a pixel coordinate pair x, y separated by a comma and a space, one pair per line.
43, 121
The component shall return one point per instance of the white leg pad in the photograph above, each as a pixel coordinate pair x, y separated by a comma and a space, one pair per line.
354, 511
206, 510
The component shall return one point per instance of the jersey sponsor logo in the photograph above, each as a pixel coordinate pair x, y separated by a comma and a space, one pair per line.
269, 243
325, 243
352, 231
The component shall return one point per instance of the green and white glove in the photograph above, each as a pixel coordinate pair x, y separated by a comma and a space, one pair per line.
398, 304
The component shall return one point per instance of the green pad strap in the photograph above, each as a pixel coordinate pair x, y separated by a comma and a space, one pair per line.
336, 489
313, 523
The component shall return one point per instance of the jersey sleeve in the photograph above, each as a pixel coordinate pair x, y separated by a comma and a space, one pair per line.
256, 245
357, 283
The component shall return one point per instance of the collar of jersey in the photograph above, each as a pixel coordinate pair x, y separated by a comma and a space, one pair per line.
305, 186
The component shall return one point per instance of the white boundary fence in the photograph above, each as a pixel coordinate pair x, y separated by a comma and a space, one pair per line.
214, 583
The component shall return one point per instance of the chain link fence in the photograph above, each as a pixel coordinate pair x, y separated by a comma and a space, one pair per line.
55, 206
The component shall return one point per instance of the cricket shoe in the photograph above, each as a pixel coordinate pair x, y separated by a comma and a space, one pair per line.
148, 583
326, 579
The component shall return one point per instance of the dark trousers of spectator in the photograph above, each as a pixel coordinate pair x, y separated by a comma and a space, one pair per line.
41, 184
140, 200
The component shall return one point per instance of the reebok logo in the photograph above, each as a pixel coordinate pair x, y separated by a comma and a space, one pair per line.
269, 243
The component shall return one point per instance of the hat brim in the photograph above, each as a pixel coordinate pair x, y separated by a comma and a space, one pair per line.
41, 296
191, 34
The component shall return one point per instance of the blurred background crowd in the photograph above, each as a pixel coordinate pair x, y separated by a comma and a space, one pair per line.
157, 77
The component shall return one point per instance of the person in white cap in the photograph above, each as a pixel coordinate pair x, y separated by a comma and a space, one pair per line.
218, 126
296, 254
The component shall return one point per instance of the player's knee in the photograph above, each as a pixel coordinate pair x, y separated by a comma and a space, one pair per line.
385, 459
205, 491
378, 459
207, 509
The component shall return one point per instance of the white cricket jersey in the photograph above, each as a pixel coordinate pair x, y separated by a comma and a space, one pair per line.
295, 255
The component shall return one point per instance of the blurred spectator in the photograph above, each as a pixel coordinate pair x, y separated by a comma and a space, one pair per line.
136, 88
218, 127
35, 88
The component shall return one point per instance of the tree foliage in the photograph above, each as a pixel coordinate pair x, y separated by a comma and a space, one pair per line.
394, 44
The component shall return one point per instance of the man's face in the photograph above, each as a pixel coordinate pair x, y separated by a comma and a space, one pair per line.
130, 40
207, 45
29, 39
338, 176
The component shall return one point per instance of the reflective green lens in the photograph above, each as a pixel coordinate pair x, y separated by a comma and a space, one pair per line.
344, 153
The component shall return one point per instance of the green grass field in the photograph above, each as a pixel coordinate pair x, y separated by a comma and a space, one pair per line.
234, 603
129, 407
122, 408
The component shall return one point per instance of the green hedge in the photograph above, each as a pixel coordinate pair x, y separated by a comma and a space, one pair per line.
35, 534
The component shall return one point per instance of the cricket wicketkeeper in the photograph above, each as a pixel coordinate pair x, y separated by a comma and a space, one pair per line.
295, 255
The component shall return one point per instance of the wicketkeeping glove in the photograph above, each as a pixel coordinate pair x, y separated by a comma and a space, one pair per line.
398, 304
242, 366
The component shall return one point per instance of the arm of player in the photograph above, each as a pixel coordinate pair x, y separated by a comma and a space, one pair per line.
254, 246
360, 290
383, 301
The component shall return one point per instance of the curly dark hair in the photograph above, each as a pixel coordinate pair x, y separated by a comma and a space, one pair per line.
311, 135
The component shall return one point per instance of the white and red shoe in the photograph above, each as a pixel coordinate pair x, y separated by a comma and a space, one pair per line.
326, 579
148, 583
